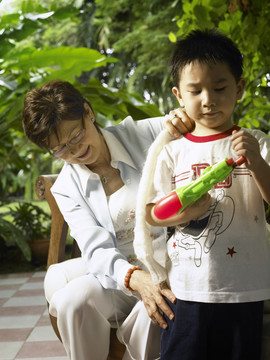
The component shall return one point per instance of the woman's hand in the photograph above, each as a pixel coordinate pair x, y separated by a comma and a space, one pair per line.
153, 296
178, 122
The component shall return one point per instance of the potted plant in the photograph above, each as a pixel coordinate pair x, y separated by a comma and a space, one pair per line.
10, 237
34, 224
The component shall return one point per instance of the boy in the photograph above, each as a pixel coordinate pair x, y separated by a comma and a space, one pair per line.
218, 263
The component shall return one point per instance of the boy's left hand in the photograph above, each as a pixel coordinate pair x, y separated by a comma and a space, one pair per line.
243, 143
247, 145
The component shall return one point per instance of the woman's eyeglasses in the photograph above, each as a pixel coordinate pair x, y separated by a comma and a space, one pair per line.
61, 150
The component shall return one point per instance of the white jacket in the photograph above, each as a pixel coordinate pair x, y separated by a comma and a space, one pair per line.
82, 200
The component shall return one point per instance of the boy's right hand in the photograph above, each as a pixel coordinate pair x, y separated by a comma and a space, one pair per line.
197, 209
192, 212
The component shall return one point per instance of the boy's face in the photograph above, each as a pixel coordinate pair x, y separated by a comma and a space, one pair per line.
209, 92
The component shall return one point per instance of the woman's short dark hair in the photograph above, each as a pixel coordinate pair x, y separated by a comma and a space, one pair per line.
205, 46
44, 108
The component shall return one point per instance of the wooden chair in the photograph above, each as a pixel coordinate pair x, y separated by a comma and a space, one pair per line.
59, 231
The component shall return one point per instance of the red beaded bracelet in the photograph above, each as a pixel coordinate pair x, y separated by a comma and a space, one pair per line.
128, 276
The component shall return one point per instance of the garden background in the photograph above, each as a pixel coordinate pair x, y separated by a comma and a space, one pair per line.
116, 53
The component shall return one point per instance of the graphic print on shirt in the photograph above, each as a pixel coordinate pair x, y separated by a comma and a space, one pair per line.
200, 235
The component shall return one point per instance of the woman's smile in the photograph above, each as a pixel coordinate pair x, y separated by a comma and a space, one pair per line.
85, 154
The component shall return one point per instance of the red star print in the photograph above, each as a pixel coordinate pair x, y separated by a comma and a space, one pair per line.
174, 245
231, 251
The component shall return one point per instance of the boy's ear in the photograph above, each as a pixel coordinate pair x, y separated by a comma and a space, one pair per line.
178, 96
240, 88
86, 108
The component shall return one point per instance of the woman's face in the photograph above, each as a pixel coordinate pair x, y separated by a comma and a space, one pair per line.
79, 140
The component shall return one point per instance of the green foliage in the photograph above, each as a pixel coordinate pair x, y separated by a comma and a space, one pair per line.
31, 220
116, 53
137, 33
23, 223
142, 35
109, 106
47, 64
239, 24
27, 63
11, 235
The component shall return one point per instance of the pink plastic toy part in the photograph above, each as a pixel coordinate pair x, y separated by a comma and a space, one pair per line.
167, 206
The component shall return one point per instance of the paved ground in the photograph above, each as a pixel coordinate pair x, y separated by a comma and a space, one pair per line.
25, 330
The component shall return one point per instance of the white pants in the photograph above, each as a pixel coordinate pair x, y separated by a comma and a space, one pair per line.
85, 311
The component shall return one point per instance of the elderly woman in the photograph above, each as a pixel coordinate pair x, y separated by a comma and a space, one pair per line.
96, 193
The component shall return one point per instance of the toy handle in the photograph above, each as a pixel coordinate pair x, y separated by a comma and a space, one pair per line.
239, 161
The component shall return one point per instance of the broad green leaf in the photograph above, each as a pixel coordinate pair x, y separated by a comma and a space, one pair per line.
114, 102
32, 6
8, 20
172, 37
64, 57
200, 13
65, 12
188, 6
5, 47
28, 28
255, 123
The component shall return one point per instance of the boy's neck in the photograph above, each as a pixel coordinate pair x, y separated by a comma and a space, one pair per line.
200, 130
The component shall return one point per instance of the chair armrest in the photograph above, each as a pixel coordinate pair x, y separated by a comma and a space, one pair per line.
59, 227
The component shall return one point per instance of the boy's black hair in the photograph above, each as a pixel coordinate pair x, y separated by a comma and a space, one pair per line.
205, 46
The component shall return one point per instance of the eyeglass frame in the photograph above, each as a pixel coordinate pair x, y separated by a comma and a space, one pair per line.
65, 147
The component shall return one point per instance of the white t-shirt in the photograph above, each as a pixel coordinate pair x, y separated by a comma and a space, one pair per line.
225, 255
